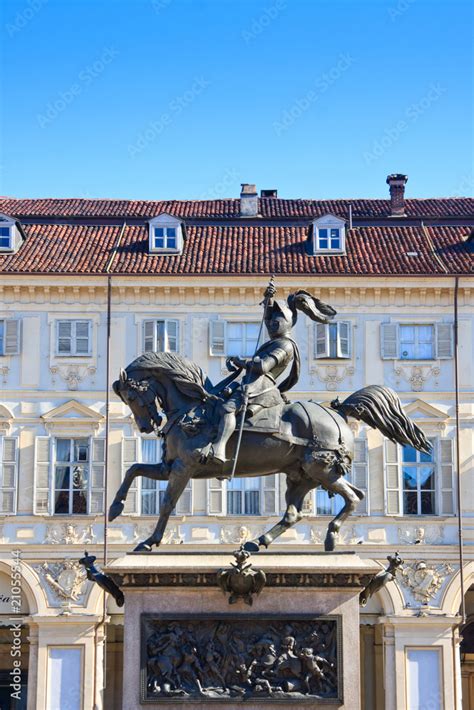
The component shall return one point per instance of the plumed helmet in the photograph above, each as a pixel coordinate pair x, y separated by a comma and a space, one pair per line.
301, 301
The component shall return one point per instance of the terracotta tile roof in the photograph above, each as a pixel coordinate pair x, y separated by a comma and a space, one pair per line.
62, 248
238, 249
269, 207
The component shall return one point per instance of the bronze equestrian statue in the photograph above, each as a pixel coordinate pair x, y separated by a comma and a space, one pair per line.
310, 443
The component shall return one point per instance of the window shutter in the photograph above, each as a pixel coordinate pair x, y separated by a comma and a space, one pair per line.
97, 476
43, 475
148, 336
12, 337
343, 339
215, 497
322, 340
82, 337
444, 341
270, 503
217, 337
185, 502
129, 457
389, 341
8, 474
445, 476
360, 473
64, 337
172, 336
393, 503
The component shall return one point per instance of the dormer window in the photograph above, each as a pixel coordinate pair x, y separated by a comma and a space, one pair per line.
166, 235
6, 238
328, 235
10, 235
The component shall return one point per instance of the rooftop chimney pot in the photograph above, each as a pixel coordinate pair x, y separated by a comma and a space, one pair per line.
248, 200
396, 183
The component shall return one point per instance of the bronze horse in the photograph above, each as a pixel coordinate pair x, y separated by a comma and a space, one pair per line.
313, 447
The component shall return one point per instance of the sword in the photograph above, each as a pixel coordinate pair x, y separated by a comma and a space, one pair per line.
245, 387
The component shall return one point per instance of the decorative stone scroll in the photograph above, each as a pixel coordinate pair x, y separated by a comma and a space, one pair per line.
229, 658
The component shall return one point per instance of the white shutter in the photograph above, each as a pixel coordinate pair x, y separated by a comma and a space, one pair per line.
43, 475
270, 489
445, 476
343, 339
360, 473
389, 341
8, 474
393, 499
148, 336
215, 497
217, 337
129, 457
82, 330
444, 341
184, 505
12, 337
97, 474
321, 340
172, 336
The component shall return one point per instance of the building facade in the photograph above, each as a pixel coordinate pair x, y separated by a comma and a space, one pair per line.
88, 285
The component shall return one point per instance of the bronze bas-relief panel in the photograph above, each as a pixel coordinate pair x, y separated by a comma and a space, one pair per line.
229, 657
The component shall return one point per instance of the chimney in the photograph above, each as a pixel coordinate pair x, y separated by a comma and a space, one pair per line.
268, 193
248, 200
397, 183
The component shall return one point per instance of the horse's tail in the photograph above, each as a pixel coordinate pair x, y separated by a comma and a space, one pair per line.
380, 408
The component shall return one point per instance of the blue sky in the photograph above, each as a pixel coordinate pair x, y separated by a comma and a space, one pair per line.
158, 99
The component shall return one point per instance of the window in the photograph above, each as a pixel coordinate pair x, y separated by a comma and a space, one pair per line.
69, 475
424, 673
166, 234
328, 239
333, 340
160, 336
328, 235
253, 495
8, 474
145, 494
6, 238
165, 238
9, 337
229, 338
243, 496
73, 337
416, 341
417, 483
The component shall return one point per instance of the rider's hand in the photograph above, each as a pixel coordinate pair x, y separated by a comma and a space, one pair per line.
234, 363
270, 291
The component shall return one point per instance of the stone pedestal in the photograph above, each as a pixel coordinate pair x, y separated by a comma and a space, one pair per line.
312, 597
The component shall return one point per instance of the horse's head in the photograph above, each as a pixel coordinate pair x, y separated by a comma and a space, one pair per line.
140, 396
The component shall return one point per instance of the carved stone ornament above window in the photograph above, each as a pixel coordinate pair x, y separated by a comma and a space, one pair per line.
6, 419
72, 375
72, 417
417, 375
424, 580
332, 375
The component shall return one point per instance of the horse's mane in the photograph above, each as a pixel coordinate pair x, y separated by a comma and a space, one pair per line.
185, 374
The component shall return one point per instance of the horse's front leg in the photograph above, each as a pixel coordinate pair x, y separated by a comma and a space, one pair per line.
156, 471
351, 496
177, 482
295, 495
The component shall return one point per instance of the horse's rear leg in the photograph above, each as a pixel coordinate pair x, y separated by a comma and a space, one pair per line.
295, 495
157, 472
352, 496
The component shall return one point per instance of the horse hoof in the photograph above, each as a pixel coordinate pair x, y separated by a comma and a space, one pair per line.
143, 547
330, 542
115, 510
251, 546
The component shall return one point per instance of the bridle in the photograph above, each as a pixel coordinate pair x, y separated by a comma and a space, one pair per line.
144, 386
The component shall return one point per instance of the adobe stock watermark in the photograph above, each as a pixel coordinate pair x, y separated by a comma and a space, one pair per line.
399, 8
260, 23
222, 187
159, 5
410, 116
23, 17
154, 129
84, 79
321, 85
15, 625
